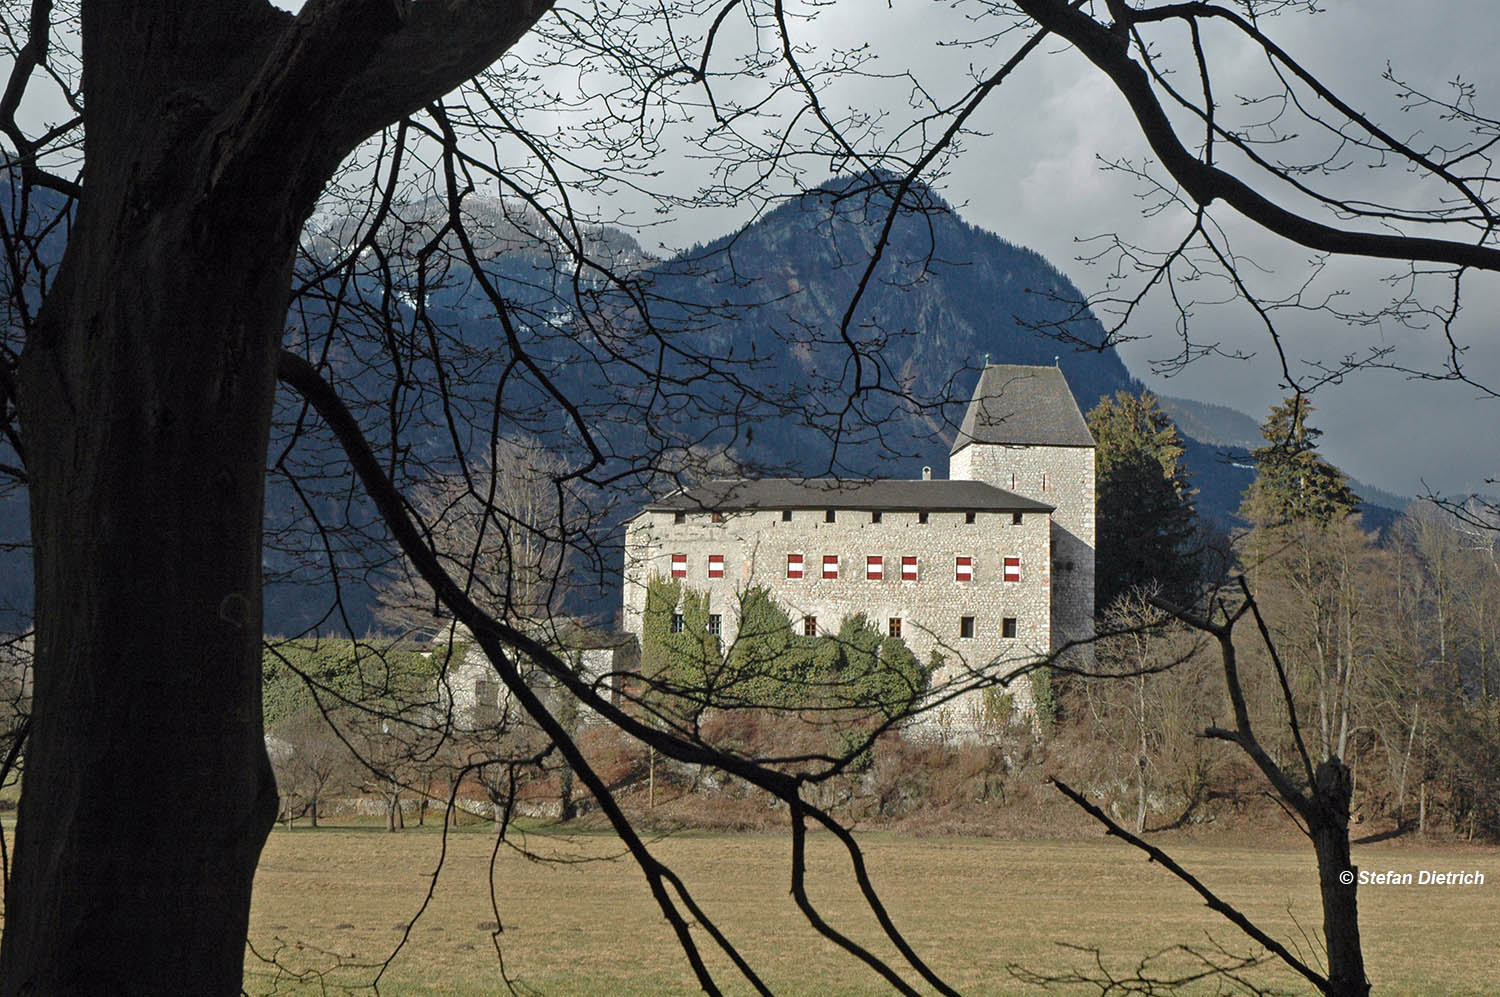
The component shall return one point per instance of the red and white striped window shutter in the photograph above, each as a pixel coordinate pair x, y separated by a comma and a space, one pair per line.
830, 565
716, 565
963, 569
908, 567
875, 567
794, 565
679, 565
1012, 569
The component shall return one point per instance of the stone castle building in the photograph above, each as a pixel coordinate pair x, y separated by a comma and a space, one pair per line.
990, 568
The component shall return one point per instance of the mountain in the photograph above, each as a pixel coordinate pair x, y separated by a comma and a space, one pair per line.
945, 297
763, 371
1220, 440
496, 228
767, 305
1215, 425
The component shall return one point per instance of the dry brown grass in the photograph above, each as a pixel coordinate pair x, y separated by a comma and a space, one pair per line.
330, 898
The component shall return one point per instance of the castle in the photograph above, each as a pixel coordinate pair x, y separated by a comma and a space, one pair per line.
990, 568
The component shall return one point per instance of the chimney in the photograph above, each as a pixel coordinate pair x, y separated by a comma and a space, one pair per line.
926, 474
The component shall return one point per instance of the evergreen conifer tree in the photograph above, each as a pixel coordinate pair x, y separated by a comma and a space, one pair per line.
1293, 483
1148, 526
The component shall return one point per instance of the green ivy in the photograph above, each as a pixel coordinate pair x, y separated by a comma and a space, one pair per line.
999, 707
1044, 697
769, 665
380, 675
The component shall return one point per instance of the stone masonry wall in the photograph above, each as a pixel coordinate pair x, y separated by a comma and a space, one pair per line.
1061, 477
755, 546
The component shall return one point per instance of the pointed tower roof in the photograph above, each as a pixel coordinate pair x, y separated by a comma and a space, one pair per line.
1023, 406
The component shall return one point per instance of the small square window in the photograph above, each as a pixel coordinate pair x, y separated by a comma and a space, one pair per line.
1008, 627
893, 628
922, 516
717, 517
828, 515
875, 516
677, 623
809, 626
786, 515
679, 517
969, 517
715, 624
1015, 519
966, 627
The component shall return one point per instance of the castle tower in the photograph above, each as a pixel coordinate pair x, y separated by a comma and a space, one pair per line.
1023, 432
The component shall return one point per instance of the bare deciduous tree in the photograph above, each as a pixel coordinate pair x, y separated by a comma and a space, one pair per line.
309, 758
1149, 688
1317, 794
503, 526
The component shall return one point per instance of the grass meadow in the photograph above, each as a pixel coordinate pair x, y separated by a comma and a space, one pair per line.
578, 918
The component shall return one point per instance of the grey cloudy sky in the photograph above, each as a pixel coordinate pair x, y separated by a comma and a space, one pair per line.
1036, 179
1380, 426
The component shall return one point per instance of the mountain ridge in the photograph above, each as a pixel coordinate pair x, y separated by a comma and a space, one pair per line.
946, 297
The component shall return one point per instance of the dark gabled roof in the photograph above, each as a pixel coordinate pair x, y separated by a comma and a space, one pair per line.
738, 494
1025, 406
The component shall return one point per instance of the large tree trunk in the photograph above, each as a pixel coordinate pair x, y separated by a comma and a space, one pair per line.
146, 406
144, 400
